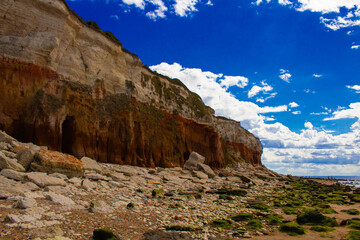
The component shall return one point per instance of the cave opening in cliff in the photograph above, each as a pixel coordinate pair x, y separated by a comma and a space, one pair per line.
68, 135
186, 155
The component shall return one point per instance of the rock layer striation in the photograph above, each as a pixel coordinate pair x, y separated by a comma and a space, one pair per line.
67, 85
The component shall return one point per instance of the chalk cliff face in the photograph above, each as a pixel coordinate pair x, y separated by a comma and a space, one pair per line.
70, 87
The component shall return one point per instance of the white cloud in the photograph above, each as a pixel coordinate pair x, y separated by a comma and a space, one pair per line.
317, 75
355, 46
257, 89
352, 112
185, 7
181, 8
160, 10
355, 87
229, 81
308, 125
327, 6
293, 105
296, 112
332, 17
138, 3
285, 75
312, 151
116, 17
285, 2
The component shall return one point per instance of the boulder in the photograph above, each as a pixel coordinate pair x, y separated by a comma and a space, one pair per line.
193, 161
91, 165
206, 169
88, 185
116, 176
100, 207
52, 161
4, 137
200, 175
126, 170
59, 199
25, 157
8, 163
43, 180
12, 174
25, 202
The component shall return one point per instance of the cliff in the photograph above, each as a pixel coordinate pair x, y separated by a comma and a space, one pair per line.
73, 88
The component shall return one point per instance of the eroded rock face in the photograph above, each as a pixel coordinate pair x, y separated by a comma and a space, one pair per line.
98, 100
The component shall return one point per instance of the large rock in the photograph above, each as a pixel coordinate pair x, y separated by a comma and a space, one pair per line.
4, 137
8, 163
52, 161
25, 157
43, 180
59, 199
9, 173
10, 188
91, 165
206, 169
193, 161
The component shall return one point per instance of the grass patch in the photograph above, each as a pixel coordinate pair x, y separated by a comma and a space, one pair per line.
353, 235
351, 211
242, 217
180, 227
354, 224
221, 223
290, 210
254, 225
259, 206
315, 217
318, 228
274, 219
104, 234
292, 229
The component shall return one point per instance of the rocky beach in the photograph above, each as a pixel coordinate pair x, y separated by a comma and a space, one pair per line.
193, 202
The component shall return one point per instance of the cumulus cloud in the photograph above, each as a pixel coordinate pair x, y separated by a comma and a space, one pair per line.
185, 7
296, 112
331, 17
285, 75
317, 75
355, 87
257, 89
138, 3
293, 105
355, 46
160, 10
238, 81
310, 152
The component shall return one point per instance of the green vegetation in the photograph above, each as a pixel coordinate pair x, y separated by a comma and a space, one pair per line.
254, 225
274, 219
353, 235
354, 223
112, 37
181, 227
129, 85
221, 223
176, 206
314, 217
104, 234
291, 228
232, 192
318, 228
351, 211
259, 206
242, 217
158, 193
130, 206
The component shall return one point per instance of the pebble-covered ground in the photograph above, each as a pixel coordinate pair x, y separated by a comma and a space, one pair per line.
127, 202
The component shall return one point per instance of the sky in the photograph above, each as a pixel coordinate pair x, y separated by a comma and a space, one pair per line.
288, 70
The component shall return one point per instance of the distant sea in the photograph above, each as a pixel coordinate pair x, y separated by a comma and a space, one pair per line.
353, 181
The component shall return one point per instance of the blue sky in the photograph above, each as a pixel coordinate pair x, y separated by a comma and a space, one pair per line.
288, 70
